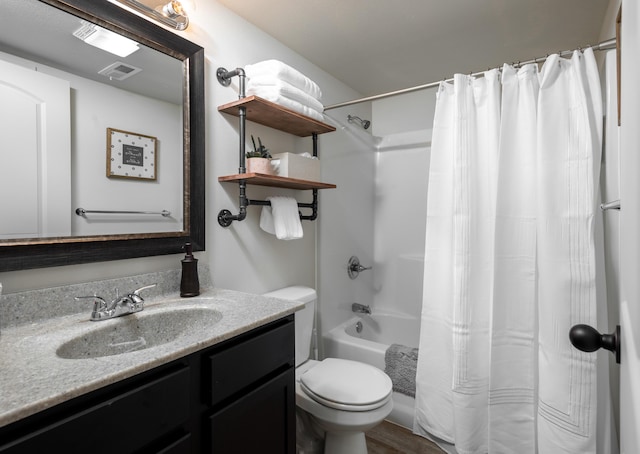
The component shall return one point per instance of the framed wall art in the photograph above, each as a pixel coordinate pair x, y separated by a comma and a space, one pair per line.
131, 155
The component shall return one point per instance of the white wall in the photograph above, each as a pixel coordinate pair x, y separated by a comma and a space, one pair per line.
629, 227
402, 113
241, 257
610, 190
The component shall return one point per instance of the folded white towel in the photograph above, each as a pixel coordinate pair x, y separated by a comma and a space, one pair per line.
280, 87
281, 218
274, 97
284, 72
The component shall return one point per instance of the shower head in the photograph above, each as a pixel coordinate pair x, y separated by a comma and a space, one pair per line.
364, 123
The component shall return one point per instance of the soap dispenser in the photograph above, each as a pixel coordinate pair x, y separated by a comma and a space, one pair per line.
189, 284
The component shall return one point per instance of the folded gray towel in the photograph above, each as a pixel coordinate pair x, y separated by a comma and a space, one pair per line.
401, 363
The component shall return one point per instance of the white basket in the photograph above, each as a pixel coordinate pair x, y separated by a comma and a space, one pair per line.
293, 165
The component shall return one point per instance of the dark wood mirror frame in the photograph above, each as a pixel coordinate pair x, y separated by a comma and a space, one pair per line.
49, 252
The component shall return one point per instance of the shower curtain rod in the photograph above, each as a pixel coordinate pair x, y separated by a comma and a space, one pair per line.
604, 45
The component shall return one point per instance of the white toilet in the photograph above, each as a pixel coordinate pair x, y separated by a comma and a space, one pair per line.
344, 398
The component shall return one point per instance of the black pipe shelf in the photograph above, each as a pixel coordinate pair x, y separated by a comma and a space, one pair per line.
275, 116
261, 179
261, 111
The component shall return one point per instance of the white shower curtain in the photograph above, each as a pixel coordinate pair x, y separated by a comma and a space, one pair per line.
510, 261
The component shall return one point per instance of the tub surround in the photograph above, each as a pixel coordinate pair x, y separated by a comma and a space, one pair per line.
34, 378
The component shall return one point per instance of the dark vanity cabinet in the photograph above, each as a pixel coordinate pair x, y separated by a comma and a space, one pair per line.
235, 397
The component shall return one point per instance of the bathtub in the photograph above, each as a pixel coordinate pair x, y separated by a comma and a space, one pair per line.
379, 331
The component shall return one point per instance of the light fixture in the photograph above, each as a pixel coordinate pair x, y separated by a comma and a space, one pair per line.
173, 9
105, 39
172, 14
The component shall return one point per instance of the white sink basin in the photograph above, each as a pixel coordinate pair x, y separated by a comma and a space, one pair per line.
138, 331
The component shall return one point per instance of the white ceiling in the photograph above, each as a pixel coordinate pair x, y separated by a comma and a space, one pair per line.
375, 46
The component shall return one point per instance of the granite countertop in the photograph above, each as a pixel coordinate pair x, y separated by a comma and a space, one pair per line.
33, 377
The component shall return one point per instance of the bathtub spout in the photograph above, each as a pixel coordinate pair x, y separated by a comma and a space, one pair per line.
361, 308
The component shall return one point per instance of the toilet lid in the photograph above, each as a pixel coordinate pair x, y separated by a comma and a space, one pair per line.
340, 383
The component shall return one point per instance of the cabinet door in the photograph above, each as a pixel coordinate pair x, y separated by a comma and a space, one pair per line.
182, 446
122, 424
261, 421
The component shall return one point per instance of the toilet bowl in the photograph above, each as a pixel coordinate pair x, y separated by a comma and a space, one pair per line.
344, 414
343, 398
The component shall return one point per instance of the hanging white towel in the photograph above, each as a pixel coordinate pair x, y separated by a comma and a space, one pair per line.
281, 218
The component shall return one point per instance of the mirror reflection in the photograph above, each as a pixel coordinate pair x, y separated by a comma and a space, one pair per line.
86, 128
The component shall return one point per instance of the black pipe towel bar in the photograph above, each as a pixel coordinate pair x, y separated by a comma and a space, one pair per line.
225, 217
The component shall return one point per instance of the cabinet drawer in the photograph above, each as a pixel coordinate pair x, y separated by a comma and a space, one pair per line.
244, 364
121, 424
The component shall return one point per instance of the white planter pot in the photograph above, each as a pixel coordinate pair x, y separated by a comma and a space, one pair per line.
259, 165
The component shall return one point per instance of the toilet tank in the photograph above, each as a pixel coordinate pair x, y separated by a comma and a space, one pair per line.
303, 318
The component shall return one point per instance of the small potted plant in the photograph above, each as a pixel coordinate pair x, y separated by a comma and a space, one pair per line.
259, 160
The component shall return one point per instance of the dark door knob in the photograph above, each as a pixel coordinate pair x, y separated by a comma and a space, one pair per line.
588, 339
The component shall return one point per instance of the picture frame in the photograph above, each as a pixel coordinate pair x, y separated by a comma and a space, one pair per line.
131, 155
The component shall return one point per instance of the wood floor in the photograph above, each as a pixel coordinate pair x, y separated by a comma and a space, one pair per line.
389, 438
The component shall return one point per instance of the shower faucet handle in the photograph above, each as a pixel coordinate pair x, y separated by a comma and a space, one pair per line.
354, 268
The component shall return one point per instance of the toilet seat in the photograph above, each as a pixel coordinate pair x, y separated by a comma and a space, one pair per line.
346, 385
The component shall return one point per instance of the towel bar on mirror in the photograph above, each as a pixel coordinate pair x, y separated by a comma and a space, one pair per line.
83, 212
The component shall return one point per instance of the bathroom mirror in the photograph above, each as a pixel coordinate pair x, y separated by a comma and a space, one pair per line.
161, 108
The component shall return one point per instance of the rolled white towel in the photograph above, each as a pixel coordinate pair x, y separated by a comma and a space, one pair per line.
280, 87
281, 218
284, 72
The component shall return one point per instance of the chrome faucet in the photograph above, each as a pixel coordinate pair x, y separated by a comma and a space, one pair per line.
121, 305
354, 268
361, 308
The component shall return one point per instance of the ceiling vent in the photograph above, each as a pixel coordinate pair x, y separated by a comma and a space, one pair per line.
119, 71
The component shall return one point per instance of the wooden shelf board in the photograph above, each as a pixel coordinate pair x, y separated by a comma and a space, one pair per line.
261, 179
275, 116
